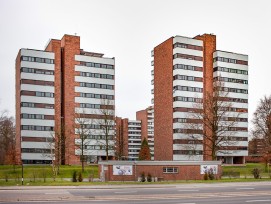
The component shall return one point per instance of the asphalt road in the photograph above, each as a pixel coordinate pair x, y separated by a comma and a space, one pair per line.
230, 193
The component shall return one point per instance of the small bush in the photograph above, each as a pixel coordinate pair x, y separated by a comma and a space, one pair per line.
143, 179
74, 175
80, 177
149, 179
6, 177
211, 175
205, 176
256, 173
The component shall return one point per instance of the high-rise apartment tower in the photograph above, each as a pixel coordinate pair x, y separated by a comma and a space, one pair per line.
55, 87
184, 73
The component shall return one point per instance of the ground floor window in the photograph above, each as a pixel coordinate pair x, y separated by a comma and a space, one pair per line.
170, 170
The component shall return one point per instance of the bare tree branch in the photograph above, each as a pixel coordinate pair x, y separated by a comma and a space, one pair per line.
262, 126
214, 120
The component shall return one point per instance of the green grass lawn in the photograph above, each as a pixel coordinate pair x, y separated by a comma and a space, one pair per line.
37, 175
246, 170
39, 172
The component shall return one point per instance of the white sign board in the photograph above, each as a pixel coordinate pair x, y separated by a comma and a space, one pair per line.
123, 170
207, 168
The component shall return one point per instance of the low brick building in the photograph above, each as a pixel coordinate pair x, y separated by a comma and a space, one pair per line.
159, 170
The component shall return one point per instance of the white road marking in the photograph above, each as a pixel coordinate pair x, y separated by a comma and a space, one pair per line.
188, 190
57, 193
186, 203
126, 192
245, 188
255, 201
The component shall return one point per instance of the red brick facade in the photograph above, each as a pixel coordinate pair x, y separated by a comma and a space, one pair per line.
70, 47
209, 47
121, 138
163, 93
65, 51
163, 101
185, 171
143, 117
55, 46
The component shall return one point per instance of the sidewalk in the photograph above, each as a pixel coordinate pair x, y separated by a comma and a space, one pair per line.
138, 185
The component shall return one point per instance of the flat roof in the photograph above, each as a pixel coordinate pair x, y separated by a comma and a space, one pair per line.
36, 50
159, 163
231, 52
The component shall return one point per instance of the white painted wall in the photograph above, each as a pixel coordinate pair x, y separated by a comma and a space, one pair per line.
187, 51
37, 122
31, 87
186, 40
36, 99
40, 77
187, 62
101, 60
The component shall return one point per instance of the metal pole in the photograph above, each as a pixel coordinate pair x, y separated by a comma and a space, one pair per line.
135, 171
22, 173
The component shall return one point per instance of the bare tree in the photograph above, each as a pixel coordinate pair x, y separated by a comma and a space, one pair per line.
212, 123
106, 124
57, 143
52, 154
83, 129
7, 139
262, 127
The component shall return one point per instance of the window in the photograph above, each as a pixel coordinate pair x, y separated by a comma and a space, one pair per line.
232, 80
179, 120
230, 70
188, 46
187, 78
91, 95
32, 116
190, 57
25, 104
44, 94
99, 86
170, 170
37, 71
37, 59
187, 99
36, 150
229, 60
37, 128
96, 65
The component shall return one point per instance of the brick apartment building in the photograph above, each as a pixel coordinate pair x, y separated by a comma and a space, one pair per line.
184, 72
130, 134
256, 150
146, 117
55, 87
128, 138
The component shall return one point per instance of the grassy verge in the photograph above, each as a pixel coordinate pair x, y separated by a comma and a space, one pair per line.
246, 170
41, 175
37, 172
49, 182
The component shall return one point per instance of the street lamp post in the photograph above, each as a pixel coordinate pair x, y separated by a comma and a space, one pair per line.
135, 170
22, 164
22, 173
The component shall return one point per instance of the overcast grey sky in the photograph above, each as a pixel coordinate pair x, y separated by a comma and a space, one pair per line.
128, 30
